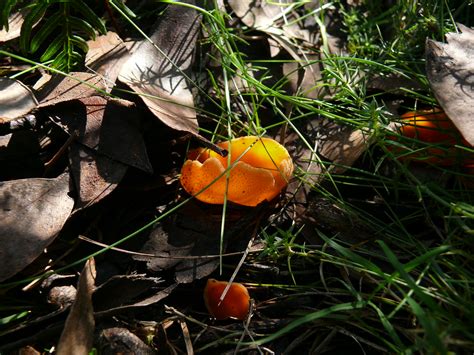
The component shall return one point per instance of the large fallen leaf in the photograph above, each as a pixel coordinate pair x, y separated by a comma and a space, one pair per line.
76, 86
110, 127
32, 212
322, 147
287, 30
332, 148
16, 100
111, 141
173, 242
125, 288
14, 27
342, 145
78, 333
106, 56
158, 71
326, 148
450, 71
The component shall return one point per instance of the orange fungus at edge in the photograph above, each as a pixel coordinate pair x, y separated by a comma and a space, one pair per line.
236, 303
434, 127
261, 168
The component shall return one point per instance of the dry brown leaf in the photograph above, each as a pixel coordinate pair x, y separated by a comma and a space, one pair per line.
14, 27
338, 146
286, 31
125, 288
180, 241
16, 100
303, 78
272, 18
161, 77
109, 139
127, 299
77, 336
341, 144
393, 82
95, 175
450, 71
5, 140
62, 296
32, 212
110, 127
334, 148
76, 86
106, 56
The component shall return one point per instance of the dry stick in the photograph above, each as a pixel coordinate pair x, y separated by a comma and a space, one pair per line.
178, 314
163, 256
186, 336
246, 324
210, 145
59, 153
244, 256
205, 142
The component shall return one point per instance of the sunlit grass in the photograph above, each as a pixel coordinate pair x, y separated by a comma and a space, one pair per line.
406, 286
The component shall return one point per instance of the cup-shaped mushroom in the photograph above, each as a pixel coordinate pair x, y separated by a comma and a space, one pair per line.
443, 143
259, 169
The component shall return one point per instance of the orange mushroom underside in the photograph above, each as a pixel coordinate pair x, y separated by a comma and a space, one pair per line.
259, 169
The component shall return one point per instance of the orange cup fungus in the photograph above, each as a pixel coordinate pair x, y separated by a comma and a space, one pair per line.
260, 169
434, 127
431, 126
236, 303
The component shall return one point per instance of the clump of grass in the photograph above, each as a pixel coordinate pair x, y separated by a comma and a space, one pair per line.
408, 287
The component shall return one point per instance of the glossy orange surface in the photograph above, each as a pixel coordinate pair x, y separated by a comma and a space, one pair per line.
431, 126
236, 303
259, 169
434, 127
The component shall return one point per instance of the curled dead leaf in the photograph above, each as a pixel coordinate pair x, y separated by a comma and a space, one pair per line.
78, 333
159, 71
450, 69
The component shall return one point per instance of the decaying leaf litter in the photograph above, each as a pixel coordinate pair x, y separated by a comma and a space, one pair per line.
109, 166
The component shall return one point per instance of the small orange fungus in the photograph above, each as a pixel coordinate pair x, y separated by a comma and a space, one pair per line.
431, 126
236, 303
260, 169
434, 127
